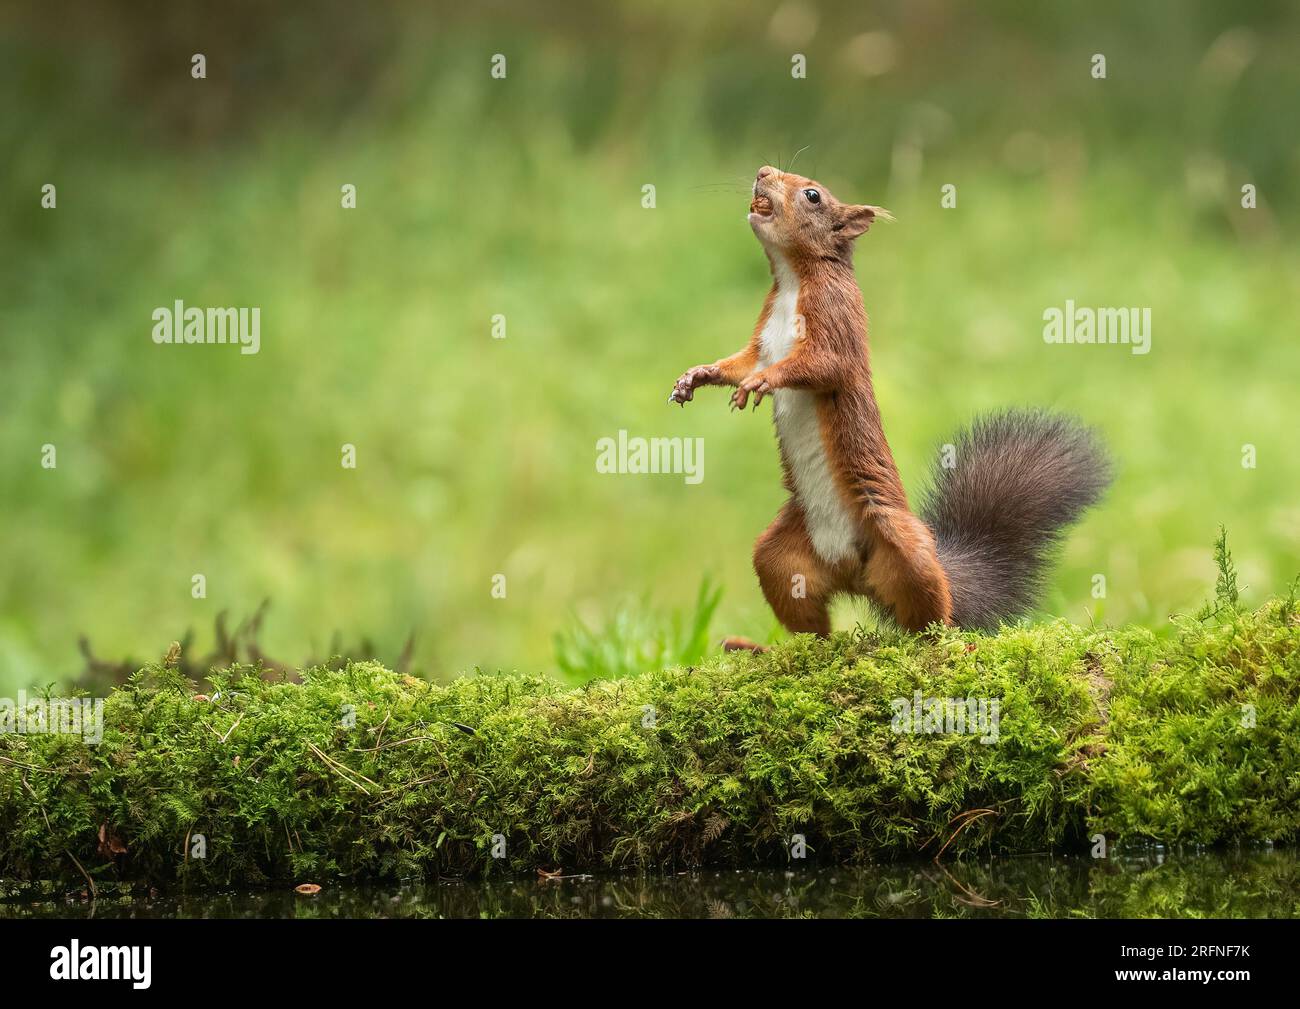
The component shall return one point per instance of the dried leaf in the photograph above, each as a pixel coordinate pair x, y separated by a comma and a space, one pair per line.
110, 845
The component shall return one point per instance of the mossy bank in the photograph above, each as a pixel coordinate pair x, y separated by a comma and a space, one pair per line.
1187, 737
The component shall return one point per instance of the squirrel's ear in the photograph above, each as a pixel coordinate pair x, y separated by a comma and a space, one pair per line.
855, 220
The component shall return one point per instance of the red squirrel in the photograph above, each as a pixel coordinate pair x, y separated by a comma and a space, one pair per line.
976, 553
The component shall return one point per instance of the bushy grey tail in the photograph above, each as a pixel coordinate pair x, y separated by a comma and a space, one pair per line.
1018, 479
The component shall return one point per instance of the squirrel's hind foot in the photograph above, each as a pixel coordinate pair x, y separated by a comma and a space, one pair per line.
737, 644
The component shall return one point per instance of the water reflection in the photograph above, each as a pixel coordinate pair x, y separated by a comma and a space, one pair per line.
1257, 883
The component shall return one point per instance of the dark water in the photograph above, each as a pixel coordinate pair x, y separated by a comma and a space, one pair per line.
1256, 883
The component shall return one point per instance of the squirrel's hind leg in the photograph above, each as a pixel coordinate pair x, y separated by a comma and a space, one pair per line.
797, 583
903, 574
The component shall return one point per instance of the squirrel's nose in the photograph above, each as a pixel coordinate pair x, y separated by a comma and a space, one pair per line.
765, 171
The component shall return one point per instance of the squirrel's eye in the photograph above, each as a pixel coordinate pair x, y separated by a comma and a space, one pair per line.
813, 195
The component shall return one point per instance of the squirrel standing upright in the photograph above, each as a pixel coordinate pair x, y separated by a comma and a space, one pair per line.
976, 552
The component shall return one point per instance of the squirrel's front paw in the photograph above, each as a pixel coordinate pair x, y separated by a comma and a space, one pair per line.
684, 390
758, 384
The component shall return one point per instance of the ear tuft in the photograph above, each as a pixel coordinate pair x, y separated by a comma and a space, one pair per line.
857, 219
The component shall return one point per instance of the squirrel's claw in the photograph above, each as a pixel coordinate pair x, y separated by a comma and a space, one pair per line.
684, 389
760, 388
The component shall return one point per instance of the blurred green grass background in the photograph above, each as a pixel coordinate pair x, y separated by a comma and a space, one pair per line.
522, 197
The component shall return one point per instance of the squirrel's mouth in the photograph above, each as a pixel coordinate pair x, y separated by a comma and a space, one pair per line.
761, 205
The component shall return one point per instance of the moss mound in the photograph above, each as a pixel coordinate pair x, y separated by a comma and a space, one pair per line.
1192, 736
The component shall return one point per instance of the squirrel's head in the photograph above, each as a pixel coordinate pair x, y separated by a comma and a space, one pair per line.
792, 214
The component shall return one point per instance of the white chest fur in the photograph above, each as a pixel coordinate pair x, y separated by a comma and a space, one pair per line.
831, 528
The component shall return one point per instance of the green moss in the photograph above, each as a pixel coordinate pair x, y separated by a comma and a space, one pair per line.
1118, 732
